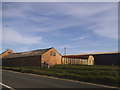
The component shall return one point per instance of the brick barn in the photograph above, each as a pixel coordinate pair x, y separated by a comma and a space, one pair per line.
31, 58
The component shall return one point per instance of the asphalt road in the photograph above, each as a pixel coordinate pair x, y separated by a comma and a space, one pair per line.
23, 80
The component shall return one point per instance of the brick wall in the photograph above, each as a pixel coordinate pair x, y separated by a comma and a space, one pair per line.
50, 58
7, 53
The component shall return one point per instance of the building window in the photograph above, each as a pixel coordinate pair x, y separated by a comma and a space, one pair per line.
9, 52
50, 53
54, 53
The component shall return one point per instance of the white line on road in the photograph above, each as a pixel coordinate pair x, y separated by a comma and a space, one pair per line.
7, 86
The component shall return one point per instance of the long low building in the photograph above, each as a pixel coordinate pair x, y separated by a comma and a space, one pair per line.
100, 58
78, 59
36, 58
107, 58
52, 57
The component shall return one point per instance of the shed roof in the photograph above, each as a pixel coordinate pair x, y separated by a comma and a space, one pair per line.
28, 53
95, 53
76, 56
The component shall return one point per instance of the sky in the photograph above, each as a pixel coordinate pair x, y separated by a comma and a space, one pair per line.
80, 27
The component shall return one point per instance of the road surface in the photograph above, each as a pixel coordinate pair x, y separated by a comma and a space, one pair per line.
24, 80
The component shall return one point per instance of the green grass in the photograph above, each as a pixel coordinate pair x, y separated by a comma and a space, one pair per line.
107, 75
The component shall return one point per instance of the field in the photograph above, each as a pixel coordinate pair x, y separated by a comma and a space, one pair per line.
108, 75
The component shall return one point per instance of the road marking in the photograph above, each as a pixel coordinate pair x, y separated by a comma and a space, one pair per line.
7, 86
64, 79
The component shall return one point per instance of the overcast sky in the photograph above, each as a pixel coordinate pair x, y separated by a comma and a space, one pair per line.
81, 27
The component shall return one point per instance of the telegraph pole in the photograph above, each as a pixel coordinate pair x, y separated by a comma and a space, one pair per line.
64, 51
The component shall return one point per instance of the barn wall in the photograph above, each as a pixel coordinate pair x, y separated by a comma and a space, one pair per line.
51, 59
23, 61
107, 59
66, 60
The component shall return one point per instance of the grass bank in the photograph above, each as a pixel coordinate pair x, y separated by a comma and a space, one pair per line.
108, 75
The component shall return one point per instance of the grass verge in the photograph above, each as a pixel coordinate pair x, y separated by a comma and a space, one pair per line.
107, 75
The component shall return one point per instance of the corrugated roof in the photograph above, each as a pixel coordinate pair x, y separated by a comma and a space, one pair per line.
95, 53
76, 56
28, 53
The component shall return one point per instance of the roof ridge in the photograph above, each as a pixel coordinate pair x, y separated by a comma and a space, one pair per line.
33, 50
28, 53
96, 53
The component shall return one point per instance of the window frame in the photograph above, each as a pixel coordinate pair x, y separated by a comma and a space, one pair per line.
54, 54
51, 53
